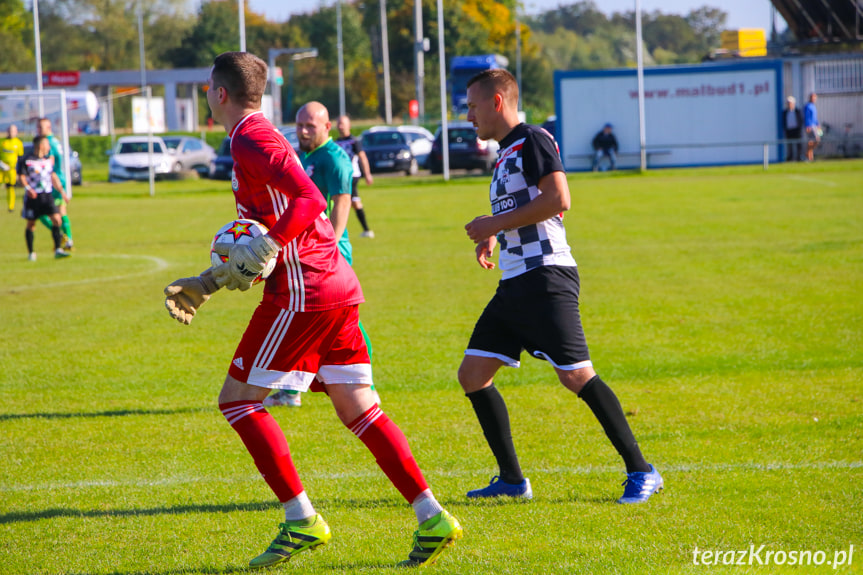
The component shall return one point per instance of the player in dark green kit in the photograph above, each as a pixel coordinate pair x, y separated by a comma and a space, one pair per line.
330, 168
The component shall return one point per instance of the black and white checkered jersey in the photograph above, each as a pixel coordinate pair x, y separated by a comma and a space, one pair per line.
526, 155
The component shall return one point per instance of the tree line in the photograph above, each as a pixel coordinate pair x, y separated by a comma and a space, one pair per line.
103, 35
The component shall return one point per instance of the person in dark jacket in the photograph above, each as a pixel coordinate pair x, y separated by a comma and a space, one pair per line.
792, 123
605, 144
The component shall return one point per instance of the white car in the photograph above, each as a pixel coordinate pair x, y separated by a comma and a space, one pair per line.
130, 159
191, 153
418, 139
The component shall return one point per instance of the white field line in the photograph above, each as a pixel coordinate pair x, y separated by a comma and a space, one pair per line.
158, 265
754, 467
812, 180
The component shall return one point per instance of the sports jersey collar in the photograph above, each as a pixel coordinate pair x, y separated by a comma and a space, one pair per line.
512, 136
330, 139
243, 121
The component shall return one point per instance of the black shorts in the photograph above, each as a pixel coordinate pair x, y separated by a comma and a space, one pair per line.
536, 311
355, 195
41, 205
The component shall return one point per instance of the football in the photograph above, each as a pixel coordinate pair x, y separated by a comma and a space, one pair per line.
241, 231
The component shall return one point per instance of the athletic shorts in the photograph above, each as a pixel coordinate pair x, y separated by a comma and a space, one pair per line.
288, 350
536, 311
355, 195
9, 177
41, 205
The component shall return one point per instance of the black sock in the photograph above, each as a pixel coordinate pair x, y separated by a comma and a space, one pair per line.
28, 235
361, 215
57, 235
493, 417
605, 406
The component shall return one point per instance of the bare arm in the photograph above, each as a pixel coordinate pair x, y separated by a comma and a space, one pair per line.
553, 200
339, 214
27, 187
58, 186
364, 166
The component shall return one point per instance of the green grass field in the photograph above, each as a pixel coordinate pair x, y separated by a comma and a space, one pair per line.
722, 305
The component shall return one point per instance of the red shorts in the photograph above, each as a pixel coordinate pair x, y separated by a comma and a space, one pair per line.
287, 350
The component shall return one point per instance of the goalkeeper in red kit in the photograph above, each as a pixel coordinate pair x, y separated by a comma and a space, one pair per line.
305, 331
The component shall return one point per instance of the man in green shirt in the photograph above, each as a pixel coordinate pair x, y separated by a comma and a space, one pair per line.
44, 129
330, 168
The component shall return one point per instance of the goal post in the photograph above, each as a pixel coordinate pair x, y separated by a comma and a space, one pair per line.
25, 108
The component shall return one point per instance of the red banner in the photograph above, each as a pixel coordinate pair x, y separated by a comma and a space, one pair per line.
61, 79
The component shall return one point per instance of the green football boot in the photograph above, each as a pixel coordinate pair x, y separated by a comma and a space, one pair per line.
433, 536
294, 537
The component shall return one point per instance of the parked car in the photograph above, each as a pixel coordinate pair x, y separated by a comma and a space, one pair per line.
74, 161
418, 138
466, 150
223, 163
389, 150
191, 153
290, 134
130, 159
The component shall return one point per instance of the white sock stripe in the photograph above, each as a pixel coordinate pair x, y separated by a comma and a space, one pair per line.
371, 415
236, 413
360, 427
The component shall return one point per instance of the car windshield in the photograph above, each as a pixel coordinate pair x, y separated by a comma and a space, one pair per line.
225, 147
381, 139
291, 136
139, 148
172, 143
462, 133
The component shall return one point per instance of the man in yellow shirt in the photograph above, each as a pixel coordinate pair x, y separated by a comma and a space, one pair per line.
11, 148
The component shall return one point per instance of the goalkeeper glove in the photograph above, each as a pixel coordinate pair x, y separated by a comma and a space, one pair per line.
186, 295
245, 261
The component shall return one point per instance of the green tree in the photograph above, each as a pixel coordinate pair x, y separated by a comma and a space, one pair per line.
103, 34
16, 37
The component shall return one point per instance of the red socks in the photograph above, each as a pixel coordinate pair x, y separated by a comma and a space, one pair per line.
268, 447
391, 450
266, 444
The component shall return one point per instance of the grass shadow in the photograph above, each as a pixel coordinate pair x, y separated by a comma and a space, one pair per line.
115, 413
26, 516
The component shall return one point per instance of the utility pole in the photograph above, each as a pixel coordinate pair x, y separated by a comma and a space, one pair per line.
385, 50
341, 58
419, 58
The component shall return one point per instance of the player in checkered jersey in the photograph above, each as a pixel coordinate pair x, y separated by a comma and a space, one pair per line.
305, 330
536, 303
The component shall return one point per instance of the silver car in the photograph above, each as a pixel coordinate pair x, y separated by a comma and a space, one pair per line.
190, 153
130, 159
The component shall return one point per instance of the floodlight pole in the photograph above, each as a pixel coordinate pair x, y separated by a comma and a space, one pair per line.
642, 137
385, 45
341, 48
518, 59
419, 56
241, 6
141, 45
444, 126
38, 40
64, 127
275, 92
152, 178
